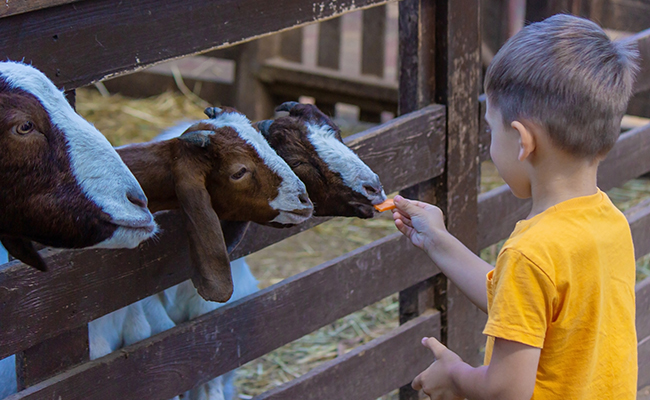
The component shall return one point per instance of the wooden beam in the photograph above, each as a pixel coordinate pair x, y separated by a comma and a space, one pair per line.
368, 371
84, 285
212, 344
20, 7
280, 72
118, 37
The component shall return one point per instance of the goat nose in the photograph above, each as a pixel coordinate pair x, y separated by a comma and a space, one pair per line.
304, 198
137, 198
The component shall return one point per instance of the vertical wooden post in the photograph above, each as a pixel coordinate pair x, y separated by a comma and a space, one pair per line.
57, 354
373, 41
251, 95
457, 86
440, 61
416, 90
291, 45
329, 44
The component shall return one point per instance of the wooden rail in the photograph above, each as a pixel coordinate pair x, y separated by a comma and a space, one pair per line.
117, 37
174, 361
40, 306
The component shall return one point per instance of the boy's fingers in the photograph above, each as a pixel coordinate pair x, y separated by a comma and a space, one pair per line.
435, 346
402, 227
406, 206
417, 382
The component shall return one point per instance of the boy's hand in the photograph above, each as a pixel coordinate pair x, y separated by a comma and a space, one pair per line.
436, 380
418, 221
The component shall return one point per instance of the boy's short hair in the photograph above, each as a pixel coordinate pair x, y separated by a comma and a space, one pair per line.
565, 74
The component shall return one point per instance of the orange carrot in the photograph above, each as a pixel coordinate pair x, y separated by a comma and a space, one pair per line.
389, 204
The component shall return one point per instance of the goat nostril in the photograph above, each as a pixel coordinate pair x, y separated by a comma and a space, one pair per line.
304, 198
138, 199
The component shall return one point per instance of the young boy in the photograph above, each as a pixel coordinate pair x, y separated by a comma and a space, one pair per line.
560, 301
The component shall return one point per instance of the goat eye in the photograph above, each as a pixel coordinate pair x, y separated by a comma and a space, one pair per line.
295, 163
239, 174
25, 128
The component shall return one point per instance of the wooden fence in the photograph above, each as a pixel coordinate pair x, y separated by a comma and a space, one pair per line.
431, 152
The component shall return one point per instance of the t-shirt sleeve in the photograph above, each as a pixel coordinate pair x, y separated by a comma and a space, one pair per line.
522, 300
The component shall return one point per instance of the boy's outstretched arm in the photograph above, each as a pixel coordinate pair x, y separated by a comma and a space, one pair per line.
424, 224
510, 375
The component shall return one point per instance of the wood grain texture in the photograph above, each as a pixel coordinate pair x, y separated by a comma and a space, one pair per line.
13, 7
643, 354
84, 285
457, 85
329, 44
118, 37
417, 56
385, 363
373, 41
217, 342
281, 72
499, 209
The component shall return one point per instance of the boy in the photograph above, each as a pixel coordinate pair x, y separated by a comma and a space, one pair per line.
560, 300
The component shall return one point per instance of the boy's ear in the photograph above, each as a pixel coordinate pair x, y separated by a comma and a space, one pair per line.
527, 142
208, 252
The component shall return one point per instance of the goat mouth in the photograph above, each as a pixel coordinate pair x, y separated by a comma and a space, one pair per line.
291, 217
363, 210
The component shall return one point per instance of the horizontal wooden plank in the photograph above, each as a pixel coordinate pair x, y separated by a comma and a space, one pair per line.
368, 371
499, 209
289, 73
643, 309
117, 36
22, 6
84, 285
217, 342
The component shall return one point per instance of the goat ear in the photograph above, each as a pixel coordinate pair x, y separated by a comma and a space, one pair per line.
286, 106
208, 252
212, 112
264, 127
24, 250
197, 138
233, 233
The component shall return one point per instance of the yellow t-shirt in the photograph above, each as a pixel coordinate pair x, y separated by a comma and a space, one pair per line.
564, 282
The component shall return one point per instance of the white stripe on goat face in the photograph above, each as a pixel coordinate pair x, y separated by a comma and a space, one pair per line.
340, 159
96, 166
291, 187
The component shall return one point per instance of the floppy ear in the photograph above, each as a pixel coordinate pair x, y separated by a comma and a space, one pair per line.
23, 250
233, 233
208, 252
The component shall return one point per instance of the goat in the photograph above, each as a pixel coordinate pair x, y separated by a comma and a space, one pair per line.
63, 183
218, 168
338, 183
221, 166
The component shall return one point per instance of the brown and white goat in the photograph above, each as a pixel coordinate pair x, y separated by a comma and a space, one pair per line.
311, 144
338, 182
63, 185
218, 168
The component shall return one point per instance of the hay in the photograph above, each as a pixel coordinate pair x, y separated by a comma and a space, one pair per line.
124, 120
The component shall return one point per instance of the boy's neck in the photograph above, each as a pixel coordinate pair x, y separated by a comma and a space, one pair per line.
560, 178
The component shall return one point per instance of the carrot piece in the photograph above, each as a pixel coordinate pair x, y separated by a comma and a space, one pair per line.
388, 204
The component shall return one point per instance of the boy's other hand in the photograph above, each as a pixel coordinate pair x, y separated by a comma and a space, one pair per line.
418, 221
436, 381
